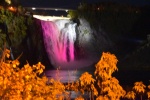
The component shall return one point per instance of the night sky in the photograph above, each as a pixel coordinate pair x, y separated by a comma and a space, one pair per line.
74, 3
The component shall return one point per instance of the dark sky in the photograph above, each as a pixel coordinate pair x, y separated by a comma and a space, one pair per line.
74, 3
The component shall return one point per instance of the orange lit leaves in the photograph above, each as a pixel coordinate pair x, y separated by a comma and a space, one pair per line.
139, 87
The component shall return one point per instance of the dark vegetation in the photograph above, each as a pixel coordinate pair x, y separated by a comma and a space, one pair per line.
127, 26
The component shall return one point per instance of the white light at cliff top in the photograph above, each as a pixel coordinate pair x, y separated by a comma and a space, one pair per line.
49, 18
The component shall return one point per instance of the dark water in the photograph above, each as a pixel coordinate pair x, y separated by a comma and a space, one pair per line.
67, 75
125, 77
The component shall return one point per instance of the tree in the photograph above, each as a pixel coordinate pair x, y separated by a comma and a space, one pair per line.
139, 87
87, 84
148, 93
130, 95
27, 83
108, 86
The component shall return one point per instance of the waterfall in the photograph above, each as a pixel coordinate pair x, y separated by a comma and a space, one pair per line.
62, 37
59, 37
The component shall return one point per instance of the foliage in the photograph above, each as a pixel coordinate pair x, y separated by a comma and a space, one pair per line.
2, 38
130, 95
25, 83
73, 14
148, 93
102, 98
106, 66
139, 87
109, 86
30, 82
16, 25
79, 98
111, 17
87, 83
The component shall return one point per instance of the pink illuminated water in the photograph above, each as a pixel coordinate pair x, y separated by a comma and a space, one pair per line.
59, 39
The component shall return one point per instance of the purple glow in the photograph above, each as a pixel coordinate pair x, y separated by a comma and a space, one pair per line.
59, 44
50, 34
59, 40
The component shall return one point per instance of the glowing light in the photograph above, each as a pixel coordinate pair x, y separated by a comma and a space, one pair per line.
50, 18
59, 44
33, 8
12, 9
1, 7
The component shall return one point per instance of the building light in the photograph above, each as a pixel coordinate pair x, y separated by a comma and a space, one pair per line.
33, 8
12, 9
66, 10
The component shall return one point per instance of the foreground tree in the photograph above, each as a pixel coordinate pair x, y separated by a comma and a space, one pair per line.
148, 93
109, 87
130, 95
139, 87
27, 83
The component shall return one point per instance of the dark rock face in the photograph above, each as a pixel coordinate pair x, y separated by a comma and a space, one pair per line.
32, 49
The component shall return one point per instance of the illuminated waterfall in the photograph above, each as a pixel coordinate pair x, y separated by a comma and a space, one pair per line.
60, 39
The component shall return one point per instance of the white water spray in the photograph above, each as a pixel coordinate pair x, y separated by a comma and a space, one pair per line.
60, 36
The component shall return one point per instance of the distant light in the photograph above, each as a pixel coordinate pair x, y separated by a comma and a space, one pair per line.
8, 1
12, 9
56, 9
66, 10
33, 8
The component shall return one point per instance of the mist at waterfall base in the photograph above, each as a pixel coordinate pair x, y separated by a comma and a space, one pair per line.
71, 45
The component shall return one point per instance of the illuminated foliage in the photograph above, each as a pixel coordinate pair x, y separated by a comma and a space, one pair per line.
130, 95
102, 98
109, 86
106, 66
148, 93
79, 98
87, 83
30, 83
25, 83
86, 79
139, 87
